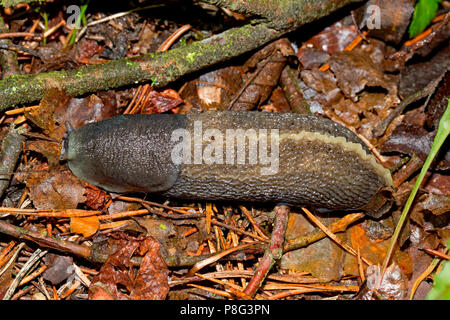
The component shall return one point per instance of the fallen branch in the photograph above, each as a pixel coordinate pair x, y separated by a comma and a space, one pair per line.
159, 68
11, 149
273, 252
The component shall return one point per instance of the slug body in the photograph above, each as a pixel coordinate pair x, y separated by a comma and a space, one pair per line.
225, 155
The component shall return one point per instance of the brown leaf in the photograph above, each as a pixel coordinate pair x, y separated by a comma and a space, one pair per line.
353, 72
87, 226
332, 39
117, 278
394, 18
279, 101
59, 268
95, 197
51, 150
88, 48
412, 139
212, 90
266, 66
55, 190
80, 111
159, 102
160, 229
418, 75
44, 117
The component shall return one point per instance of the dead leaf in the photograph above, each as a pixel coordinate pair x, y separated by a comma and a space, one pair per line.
51, 150
55, 190
265, 68
44, 116
212, 90
159, 102
332, 39
120, 281
59, 268
95, 197
394, 18
354, 71
87, 226
80, 111
394, 285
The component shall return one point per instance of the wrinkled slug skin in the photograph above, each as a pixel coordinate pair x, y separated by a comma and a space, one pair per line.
321, 163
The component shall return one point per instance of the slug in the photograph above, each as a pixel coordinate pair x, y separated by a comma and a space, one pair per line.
239, 156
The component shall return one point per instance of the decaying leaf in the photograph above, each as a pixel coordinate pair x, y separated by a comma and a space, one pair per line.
353, 72
95, 197
118, 279
55, 190
159, 102
59, 268
332, 39
44, 116
393, 286
393, 18
80, 111
212, 90
51, 150
266, 66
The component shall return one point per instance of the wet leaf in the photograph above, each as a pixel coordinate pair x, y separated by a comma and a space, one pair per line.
393, 286
80, 111
95, 197
159, 102
331, 39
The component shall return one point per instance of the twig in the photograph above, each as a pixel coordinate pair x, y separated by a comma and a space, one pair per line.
420, 40
316, 235
379, 130
333, 236
11, 150
201, 264
273, 252
253, 222
227, 226
12, 259
37, 255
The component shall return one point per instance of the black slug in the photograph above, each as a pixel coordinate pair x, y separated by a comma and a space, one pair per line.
225, 155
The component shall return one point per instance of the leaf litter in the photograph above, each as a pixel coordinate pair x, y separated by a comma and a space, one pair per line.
362, 85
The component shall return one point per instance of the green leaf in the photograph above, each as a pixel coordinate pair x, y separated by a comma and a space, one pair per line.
442, 133
424, 12
441, 285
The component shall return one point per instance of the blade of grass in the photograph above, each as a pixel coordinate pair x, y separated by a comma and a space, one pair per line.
442, 133
81, 17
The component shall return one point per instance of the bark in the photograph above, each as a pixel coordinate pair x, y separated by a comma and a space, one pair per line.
8, 58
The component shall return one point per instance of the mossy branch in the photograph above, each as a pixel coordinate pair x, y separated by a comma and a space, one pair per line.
159, 68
